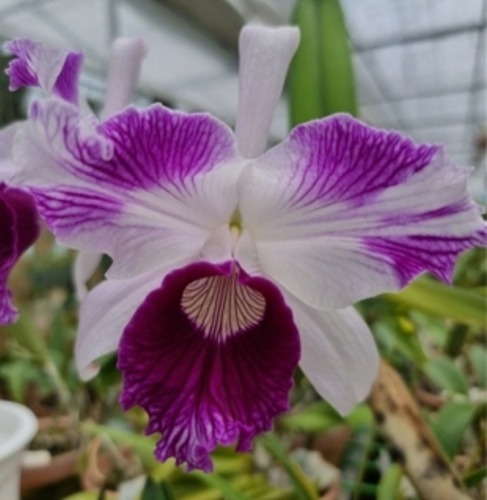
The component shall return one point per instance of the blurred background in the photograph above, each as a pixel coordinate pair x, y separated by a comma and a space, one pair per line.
418, 66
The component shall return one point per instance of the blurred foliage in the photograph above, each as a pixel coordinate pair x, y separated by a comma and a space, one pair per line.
432, 334
11, 103
321, 80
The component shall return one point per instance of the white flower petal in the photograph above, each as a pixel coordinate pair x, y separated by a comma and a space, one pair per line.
104, 313
265, 54
341, 211
123, 73
7, 167
338, 353
85, 265
146, 187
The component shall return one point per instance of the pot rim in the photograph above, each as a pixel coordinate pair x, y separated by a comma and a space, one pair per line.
26, 428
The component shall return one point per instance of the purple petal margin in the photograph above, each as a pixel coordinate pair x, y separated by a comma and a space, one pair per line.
18, 229
341, 211
134, 149
56, 71
199, 391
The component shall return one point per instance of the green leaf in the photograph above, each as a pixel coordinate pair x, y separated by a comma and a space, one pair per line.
321, 80
475, 477
304, 489
155, 491
17, 376
444, 373
436, 298
221, 484
389, 334
451, 424
83, 495
360, 456
316, 417
477, 355
390, 482
143, 445
361, 418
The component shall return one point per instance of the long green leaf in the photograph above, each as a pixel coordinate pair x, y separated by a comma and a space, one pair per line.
321, 80
446, 375
390, 482
304, 489
218, 482
143, 445
315, 417
453, 303
451, 424
155, 491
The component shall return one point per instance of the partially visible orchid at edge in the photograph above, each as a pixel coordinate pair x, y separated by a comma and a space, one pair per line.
19, 228
19, 224
56, 72
231, 265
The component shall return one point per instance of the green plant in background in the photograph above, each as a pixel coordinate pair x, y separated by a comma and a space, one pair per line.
321, 80
433, 334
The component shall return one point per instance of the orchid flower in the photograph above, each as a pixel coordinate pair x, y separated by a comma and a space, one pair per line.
57, 71
231, 265
18, 223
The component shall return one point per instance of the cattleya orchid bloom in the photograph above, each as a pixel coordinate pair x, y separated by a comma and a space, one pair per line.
231, 265
18, 224
56, 71
50, 70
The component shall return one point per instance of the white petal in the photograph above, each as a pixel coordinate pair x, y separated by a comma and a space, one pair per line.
7, 167
146, 187
85, 265
104, 314
265, 54
341, 211
338, 353
123, 73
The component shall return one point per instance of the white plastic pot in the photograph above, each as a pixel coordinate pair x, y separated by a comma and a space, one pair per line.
17, 427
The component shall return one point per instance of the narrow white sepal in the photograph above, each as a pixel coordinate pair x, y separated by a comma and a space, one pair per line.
265, 54
338, 353
124, 65
85, 265
104, 314
106, 311
7, 166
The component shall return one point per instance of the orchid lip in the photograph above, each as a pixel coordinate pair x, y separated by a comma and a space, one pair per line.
210, 356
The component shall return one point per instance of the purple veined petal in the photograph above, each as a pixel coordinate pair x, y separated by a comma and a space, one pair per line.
18, 230
265, 54
210, 356
124, 66
338, 353
105, 312
54, 70
341, 211
146, 187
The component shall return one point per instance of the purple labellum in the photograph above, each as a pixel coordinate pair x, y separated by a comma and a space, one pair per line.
210, 356
18, 229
